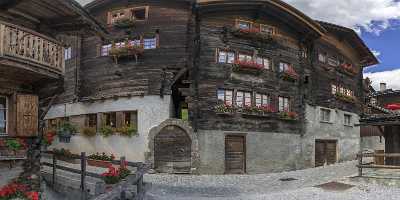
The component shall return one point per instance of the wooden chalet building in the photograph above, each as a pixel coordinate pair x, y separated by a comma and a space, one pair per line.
215, 86
382, 118
31, 59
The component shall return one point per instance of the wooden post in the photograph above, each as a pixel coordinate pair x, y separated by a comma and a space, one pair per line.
360, 162
54, 170
122, 162
83, 171
140, 187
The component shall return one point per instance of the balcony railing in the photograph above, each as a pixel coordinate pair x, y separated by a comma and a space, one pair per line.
25, 45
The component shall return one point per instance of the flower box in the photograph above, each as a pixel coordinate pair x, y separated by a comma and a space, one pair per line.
224, 109
288, 116
247, 66
290, 75
124, 23
346, 98
252, 34
127, 51
348, 69
99, 163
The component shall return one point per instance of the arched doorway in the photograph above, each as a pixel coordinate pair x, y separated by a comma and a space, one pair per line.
172, 150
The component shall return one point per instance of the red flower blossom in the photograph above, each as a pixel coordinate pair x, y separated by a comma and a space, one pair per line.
32, 195
249, 64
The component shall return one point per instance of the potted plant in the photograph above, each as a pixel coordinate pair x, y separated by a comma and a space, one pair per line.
65, 132
48, 139
89, 131
106, 131
248, 66
124, 23
345, 98
224, 109
100, 160
113, 175
66, 156
128, 130
16, 147
17, 191
291, 116
128, 50
290, 75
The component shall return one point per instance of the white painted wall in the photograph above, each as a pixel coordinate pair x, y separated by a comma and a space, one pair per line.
152, 110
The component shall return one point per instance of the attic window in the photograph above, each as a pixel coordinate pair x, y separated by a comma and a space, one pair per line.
133, 13
266, 29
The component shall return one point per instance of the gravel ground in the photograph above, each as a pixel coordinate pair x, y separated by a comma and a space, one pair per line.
267, 186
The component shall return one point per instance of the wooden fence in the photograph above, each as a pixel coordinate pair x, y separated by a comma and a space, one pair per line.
361, 165
133, 179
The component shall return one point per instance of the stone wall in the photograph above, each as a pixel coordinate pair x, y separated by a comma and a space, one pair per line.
348, 137
265, 152
152, 110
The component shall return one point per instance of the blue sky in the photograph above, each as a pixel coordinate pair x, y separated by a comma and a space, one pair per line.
376, 21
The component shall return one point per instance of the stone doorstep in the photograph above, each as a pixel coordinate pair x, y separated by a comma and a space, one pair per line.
71, 180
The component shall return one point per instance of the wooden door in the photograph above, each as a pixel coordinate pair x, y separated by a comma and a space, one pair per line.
325, 152
27, 115
235, 155
173, 149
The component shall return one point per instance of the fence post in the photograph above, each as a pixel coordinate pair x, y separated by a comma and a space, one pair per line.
122, 162
83, 171
360, 162
54, 170
139, 187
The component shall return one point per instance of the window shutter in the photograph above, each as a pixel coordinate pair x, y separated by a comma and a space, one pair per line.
27, 115
120, 119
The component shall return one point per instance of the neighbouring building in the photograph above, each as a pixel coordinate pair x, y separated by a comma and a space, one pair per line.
32, 58
215, 87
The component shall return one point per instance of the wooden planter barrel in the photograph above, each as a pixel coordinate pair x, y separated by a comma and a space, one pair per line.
99, 163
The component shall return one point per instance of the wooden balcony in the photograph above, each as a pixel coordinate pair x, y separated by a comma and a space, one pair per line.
30, 51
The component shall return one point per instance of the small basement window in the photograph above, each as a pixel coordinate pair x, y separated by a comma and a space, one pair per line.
347, 120
3, 115
325, 115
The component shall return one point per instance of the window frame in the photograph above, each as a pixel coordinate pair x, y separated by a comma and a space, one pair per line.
111, 117
111, 19
153, 43
322, 57
264, 100
5, 120
325, 115
284, 66
105, 50
225, 96
146, 10
285, 101
68, 53
227, 58
90, 120
268, 26
349, 121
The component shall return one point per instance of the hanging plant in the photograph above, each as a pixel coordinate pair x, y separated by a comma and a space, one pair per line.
124, 23
65, 132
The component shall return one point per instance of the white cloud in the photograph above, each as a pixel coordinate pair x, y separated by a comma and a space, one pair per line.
372, 15
392, 78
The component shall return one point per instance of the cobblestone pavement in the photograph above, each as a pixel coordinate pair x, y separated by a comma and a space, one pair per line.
266, 186
7, 174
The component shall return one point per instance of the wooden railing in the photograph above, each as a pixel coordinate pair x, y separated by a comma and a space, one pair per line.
120, 192
27, 45
361, 165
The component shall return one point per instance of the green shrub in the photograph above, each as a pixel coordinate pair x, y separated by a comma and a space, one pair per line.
106, 131
89, 132
13, 144
66, 129
128, 131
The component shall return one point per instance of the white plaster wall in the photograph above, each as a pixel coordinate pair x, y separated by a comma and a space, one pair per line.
152, 110
372, 143
348, 137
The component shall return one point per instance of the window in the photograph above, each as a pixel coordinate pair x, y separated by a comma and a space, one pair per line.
333, 61
92, 120
284, 105
117, 15
3, 115
266, 29
150, 43
264, 62
140, 13
245, 58
135, 42
347, 120
334, 89
322, 57
373, 101
130, 118
68, 53
262, 100
105, 50
283, 67
225, 96
244, 25
243, 99
325, 115
111, 119
226, 57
